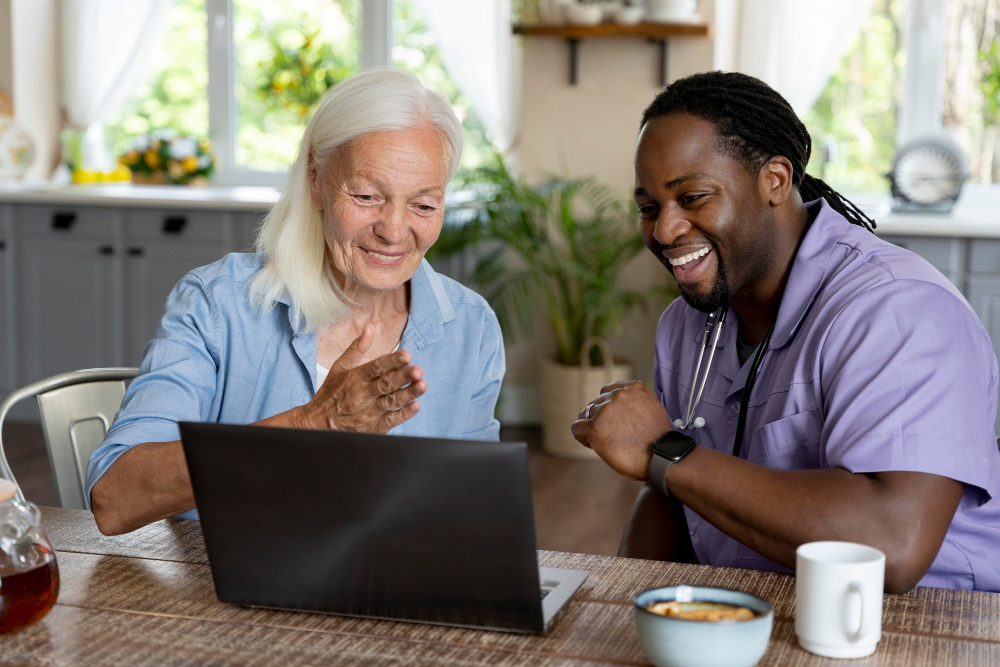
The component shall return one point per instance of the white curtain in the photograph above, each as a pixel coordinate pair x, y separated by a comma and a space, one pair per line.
795, 45
105, 45
475, 42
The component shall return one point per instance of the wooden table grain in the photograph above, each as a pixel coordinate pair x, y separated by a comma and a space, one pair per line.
147, 599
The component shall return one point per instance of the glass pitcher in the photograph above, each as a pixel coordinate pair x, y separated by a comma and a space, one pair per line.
29, 576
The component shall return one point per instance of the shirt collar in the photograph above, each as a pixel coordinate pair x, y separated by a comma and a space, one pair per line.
430, 308
809, 270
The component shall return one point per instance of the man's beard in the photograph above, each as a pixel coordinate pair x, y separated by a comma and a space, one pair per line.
717, 297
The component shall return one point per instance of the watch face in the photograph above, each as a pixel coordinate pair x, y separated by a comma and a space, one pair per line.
673, 445
928, 174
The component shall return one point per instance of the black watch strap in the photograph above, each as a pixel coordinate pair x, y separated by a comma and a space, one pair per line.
672, 447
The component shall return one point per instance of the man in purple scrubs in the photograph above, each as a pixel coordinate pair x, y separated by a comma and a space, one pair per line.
870, 416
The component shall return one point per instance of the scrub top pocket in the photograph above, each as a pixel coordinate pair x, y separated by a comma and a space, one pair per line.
790, 443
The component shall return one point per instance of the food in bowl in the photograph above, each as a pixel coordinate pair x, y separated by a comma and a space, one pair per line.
675, 641
702, 611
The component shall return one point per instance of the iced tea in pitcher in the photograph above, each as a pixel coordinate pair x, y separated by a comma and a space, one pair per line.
29, 577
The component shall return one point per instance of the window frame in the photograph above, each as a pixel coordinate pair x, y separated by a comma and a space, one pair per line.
921, 112
376, 51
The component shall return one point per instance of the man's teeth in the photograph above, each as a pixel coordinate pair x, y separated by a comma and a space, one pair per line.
689, 258
378, 255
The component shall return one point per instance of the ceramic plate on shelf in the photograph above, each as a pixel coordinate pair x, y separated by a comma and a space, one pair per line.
674, 18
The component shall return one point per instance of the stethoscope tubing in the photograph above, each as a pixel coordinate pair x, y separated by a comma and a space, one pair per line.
713, 327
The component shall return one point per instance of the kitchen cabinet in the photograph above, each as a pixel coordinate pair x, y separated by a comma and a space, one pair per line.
85, 286
7, 337
64, 306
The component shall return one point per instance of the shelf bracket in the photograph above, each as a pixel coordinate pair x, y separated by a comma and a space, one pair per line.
662, 43
573, 44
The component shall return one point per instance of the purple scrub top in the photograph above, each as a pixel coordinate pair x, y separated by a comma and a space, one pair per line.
876, 363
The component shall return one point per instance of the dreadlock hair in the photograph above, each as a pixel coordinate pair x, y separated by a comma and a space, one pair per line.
754, 123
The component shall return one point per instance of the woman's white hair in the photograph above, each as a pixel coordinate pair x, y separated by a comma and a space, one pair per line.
291, 235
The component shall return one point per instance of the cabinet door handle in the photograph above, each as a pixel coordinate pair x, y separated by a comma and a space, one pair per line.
107, 250
63, 221
136, 252
174, 224
3, 245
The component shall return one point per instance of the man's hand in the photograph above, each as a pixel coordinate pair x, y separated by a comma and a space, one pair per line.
372, 398
622, 425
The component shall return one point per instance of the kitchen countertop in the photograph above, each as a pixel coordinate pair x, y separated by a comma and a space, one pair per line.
143, 196
976, 215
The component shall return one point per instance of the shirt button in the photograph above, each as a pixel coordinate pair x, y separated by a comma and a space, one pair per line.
734, 408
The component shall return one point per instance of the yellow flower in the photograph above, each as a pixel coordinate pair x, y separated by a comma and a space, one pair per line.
129, 158
190, 164
152, 159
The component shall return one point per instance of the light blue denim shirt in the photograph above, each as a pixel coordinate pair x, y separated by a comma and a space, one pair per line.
216, 358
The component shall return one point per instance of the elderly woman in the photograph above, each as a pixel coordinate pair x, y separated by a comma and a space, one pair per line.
337, 322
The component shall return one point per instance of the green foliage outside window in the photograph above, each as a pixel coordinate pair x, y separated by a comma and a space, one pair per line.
990, 84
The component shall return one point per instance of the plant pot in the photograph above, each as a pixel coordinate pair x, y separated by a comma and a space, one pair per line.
566, 390
157, 178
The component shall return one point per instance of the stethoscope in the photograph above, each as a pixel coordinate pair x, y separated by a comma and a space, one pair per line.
713, 330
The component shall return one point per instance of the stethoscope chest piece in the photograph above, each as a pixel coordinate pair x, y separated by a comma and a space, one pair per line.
713, 329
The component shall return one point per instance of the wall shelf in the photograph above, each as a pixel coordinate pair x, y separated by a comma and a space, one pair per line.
656, 33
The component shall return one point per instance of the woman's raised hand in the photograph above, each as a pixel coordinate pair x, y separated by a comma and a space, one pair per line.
369, 398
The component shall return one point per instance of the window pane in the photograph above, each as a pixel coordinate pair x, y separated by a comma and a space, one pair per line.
287, 54
972, 83
173, 95
858, 109
414, 50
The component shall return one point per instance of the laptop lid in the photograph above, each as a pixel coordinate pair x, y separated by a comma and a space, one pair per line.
419, 529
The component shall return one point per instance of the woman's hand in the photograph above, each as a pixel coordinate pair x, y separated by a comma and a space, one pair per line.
371, 398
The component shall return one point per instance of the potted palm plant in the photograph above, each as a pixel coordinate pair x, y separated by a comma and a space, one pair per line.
558, 247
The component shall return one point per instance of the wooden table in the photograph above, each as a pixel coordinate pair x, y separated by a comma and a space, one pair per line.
147, 599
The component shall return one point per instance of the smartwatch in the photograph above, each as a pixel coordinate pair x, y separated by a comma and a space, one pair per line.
668, 450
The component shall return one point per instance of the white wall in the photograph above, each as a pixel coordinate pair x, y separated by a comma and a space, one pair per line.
590, 130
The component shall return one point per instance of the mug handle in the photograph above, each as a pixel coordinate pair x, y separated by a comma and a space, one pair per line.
862, 631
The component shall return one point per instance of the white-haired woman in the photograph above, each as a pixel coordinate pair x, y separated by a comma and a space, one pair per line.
336, 323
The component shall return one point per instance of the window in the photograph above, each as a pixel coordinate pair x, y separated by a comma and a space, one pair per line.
245, 73
413, 49
856, 115
287, 54
972, 83
873, 103
174, 94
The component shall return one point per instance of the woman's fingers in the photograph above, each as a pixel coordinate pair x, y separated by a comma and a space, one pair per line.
387, 363
396, 379
401, 397
394, 418
355, 352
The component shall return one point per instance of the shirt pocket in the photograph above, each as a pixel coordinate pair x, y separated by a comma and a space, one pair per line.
790, 443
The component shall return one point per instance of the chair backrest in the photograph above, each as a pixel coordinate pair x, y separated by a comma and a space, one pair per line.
77, 410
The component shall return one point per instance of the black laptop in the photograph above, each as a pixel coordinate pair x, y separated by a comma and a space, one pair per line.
415, 529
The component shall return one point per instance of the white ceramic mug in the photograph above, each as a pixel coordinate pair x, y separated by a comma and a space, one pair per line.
838, 598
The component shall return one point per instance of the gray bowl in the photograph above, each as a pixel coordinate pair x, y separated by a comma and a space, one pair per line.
679, 642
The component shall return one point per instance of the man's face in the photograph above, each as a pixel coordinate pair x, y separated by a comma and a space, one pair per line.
704, 216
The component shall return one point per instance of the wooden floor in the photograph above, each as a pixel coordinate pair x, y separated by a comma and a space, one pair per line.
580, 506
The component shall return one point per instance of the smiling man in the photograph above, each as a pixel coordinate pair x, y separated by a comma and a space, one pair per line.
851, 392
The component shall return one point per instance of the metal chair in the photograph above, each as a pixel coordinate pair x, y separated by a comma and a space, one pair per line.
77, 410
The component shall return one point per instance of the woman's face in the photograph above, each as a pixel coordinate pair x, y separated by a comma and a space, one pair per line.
382, 198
